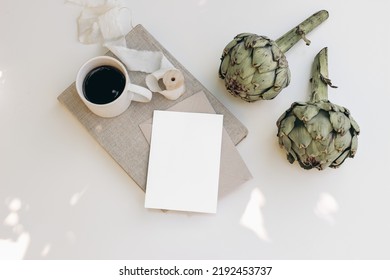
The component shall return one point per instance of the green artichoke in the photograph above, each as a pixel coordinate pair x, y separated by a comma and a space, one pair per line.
318, 133
254, 67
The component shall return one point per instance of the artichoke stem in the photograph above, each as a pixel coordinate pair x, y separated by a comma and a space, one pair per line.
299, 32
319, 77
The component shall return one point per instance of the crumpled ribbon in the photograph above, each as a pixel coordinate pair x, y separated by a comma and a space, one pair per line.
100, 22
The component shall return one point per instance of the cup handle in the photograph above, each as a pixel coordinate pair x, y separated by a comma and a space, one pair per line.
139, 94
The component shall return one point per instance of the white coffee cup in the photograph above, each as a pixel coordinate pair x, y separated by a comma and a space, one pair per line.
130, 92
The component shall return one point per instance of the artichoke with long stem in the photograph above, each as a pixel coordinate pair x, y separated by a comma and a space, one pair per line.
254, 67
318, 133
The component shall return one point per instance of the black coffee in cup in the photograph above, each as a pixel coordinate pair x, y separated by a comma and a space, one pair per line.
103, 84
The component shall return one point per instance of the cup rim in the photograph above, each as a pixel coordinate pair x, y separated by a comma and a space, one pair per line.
78, 79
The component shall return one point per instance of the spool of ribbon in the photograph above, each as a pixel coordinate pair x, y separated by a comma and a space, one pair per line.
172, 79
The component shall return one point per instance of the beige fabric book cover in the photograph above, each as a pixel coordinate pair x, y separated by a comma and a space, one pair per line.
121, 136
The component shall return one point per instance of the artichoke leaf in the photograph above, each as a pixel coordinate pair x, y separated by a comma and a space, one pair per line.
337, 162
286, 142
263, 60
252, 90
354, 145
281, 118
305, 113
239, 53
258, 55
354, 124
342, 142
338, 108
319, 126
340, 122
233, 70
328, 142
300, 152
282, 77
282, 62
229, 46
280, 140
271, 93
324, 105
313, 150
324, 164
224, 66
300, 136
287, 124
251, 98
256, 41
263, 81
267, 66
316, 148
245, 82
277, 53
246, 68
298, 103
243, 35
330, 158
308, 162
291, 157
250, 40
335, 107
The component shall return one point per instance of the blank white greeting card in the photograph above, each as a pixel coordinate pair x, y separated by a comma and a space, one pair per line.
184, 161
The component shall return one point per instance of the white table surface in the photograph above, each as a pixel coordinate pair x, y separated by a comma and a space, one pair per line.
63, 197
